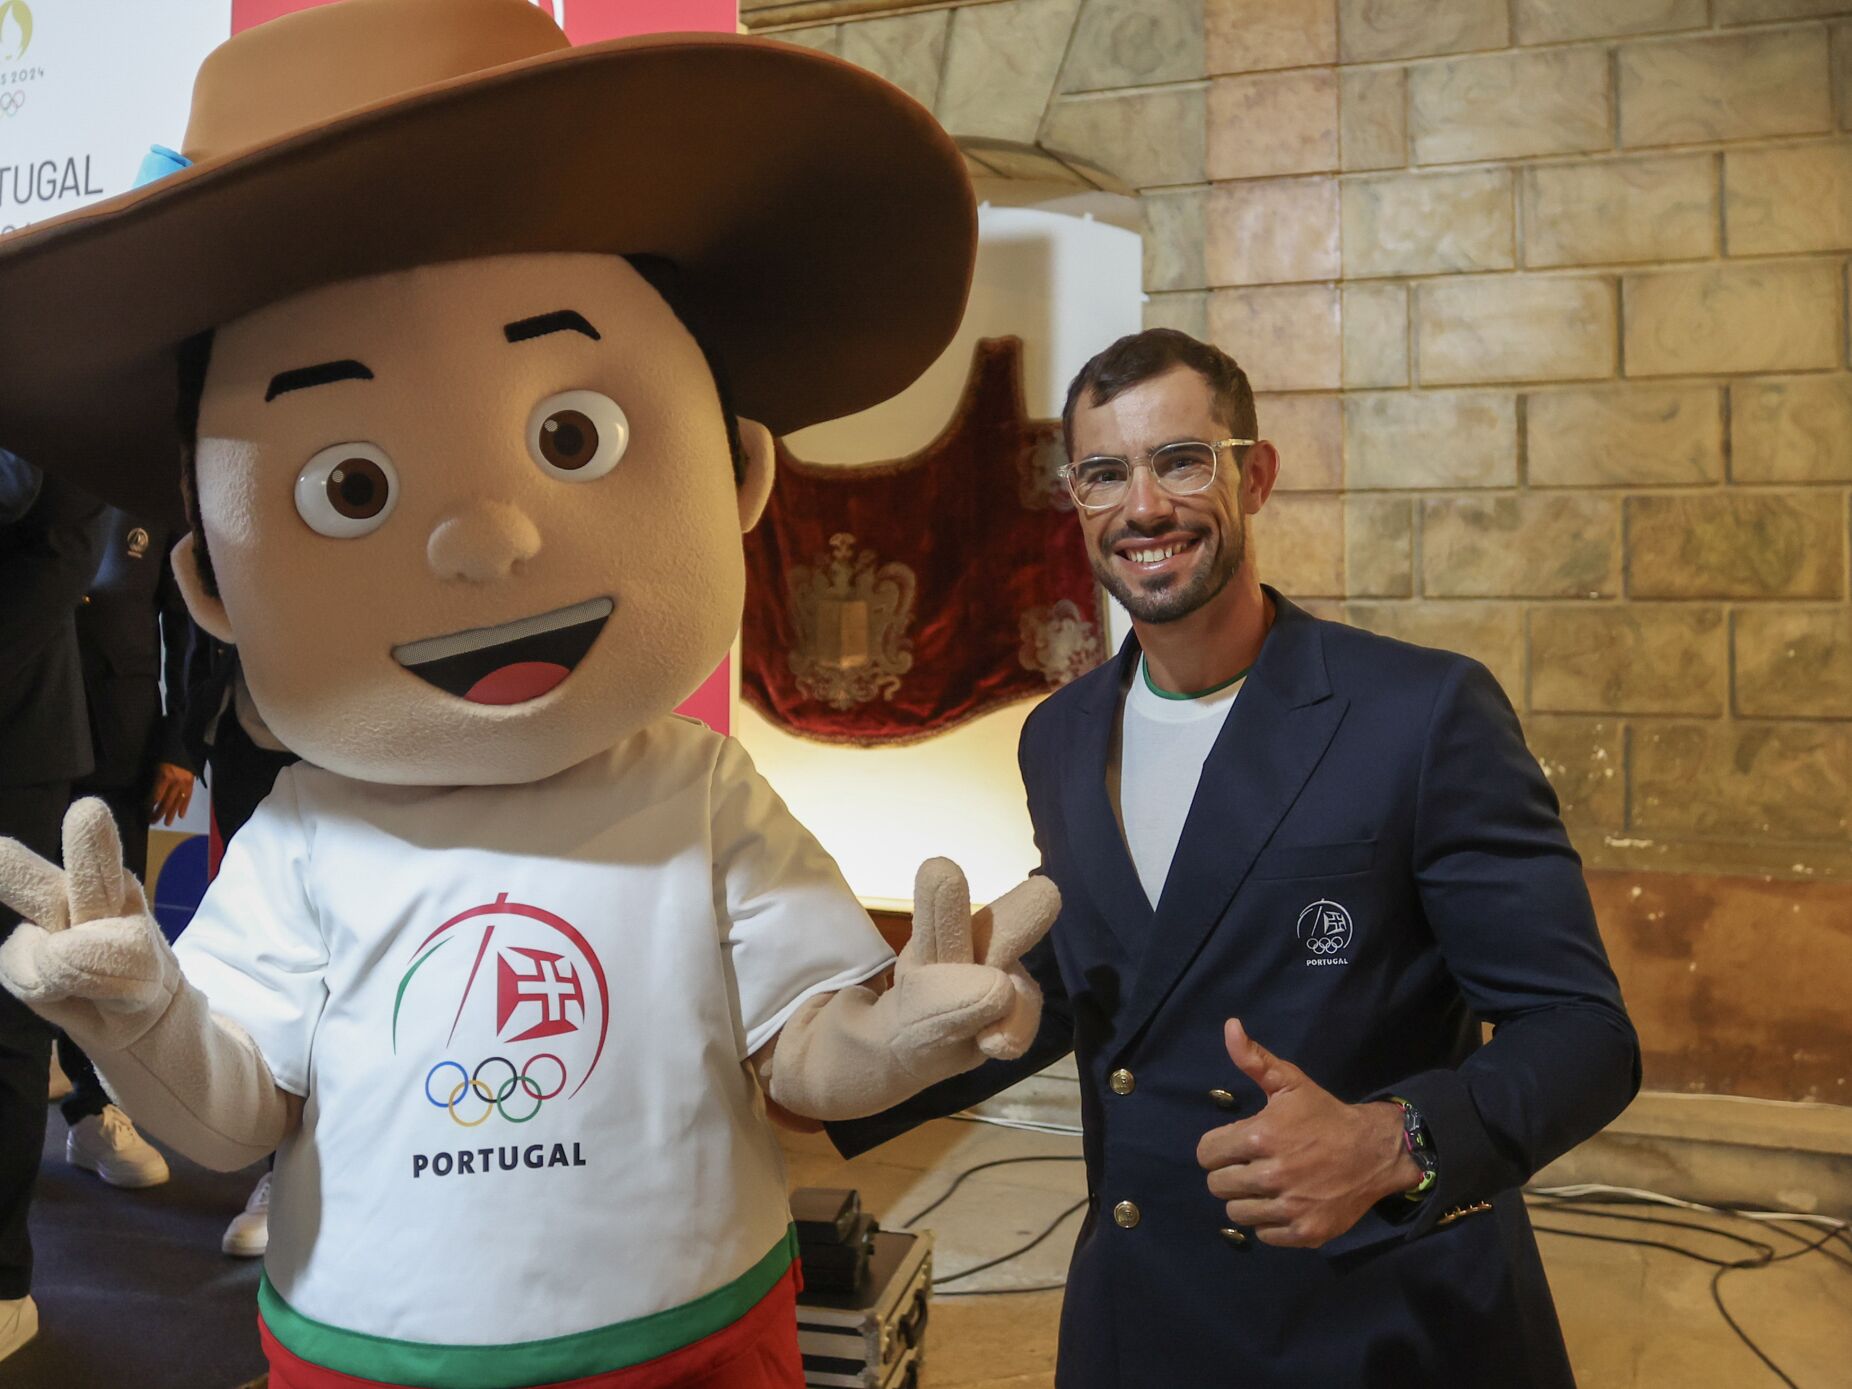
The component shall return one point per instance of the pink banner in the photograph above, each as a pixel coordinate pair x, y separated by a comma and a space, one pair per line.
585, 21
589, 21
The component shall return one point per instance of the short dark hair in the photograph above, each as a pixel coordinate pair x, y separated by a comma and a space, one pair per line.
191, 359
1140, 356
194, 356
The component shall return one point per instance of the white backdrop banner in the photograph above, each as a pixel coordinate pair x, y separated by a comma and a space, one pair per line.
86, 86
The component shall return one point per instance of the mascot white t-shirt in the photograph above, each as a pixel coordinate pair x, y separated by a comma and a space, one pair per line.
518, 1015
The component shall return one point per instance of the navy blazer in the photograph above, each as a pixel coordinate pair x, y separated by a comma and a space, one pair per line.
133, 633
1373, 864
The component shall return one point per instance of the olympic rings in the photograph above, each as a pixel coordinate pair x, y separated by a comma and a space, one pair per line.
495, 1097
487, 1109
547, 1056
434, 1070
507, 1087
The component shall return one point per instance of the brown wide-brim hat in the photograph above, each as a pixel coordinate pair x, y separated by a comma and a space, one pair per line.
821, 222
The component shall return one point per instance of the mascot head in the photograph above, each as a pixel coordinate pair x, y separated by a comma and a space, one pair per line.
468, 348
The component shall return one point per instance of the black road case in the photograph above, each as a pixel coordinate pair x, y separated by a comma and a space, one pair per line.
872, 1338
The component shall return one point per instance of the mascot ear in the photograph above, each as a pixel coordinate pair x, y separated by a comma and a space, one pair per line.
206, 609
755, 488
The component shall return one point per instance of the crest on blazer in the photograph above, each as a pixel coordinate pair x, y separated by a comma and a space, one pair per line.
1325, 929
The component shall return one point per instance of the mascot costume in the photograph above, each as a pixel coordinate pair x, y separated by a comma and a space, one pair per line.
469, 348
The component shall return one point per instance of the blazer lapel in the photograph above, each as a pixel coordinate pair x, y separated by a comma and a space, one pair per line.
1275, 735
1104, 862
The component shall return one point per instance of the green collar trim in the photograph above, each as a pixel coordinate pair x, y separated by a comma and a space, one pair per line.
570, 1357
1144, 665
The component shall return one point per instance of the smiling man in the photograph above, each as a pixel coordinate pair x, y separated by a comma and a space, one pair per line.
1270, 828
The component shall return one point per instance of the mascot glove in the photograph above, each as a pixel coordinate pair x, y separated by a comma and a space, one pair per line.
960, 995
89, 958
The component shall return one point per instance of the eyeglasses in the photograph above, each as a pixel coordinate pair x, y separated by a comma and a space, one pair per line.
1100, 482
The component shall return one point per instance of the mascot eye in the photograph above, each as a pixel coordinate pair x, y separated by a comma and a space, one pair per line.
578, 435
347, 490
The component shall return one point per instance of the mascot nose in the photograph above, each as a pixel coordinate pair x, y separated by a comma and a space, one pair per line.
490, 540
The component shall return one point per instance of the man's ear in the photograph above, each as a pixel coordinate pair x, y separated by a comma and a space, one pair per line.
760, 457
1259, 471
207, 610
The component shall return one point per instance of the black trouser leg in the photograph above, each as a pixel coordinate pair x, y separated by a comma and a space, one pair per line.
87, 1096
32, 815
127, 809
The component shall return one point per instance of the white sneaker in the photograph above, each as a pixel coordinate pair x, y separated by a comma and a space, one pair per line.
60, 1083
108, 1145
248, 1235
19, 1323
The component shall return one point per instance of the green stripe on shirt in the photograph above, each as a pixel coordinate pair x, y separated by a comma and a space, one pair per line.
509, 1366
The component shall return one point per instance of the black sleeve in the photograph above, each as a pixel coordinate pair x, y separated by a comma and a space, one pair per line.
48, 557
1504, 893
178, 639
19, 487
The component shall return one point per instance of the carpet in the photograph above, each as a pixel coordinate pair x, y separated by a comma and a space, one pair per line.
131, 1286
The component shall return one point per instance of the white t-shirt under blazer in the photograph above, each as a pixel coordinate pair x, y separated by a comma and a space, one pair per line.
1164, 740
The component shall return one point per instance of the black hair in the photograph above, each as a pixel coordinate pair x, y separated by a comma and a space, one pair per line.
194, 356
1139, 357
663, 275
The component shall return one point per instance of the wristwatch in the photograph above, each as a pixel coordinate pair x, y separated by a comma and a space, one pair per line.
1420, 1148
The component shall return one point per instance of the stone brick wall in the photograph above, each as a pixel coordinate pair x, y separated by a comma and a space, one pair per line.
1117, 85
1549, 302
1546, 303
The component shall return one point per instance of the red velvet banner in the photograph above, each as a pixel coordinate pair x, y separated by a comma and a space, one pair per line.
891, 601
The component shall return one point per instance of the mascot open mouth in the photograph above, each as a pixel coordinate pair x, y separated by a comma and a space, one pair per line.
510, 663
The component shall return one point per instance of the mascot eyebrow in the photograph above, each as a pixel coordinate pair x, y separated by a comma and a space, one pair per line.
347, 369
559, 321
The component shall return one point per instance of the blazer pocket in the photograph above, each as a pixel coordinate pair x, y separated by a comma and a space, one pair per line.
1316, 860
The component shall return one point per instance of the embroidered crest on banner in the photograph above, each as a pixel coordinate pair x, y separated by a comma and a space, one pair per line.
1038, 476
1059, 642
851, 619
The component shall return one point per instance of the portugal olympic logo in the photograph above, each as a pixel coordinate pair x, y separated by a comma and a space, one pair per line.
472, 1087
522, 976
1326, 928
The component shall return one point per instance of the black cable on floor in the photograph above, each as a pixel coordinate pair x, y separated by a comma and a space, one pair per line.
1763, 1257
1000, 1292
959, 1181
1730, 1321
1765, 1254
1051, 1227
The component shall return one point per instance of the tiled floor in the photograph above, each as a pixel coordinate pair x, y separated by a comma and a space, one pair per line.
1634, 1318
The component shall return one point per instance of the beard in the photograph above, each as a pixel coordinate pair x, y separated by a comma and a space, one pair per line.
1168, 598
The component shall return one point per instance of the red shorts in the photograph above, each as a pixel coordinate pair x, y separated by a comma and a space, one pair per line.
759, 1351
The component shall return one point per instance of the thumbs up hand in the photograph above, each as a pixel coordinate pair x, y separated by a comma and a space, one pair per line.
1308, 1166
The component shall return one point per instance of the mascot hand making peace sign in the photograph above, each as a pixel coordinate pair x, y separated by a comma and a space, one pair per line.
469, 348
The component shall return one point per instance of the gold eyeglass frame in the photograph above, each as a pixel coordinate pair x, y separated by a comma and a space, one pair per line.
1066, 470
